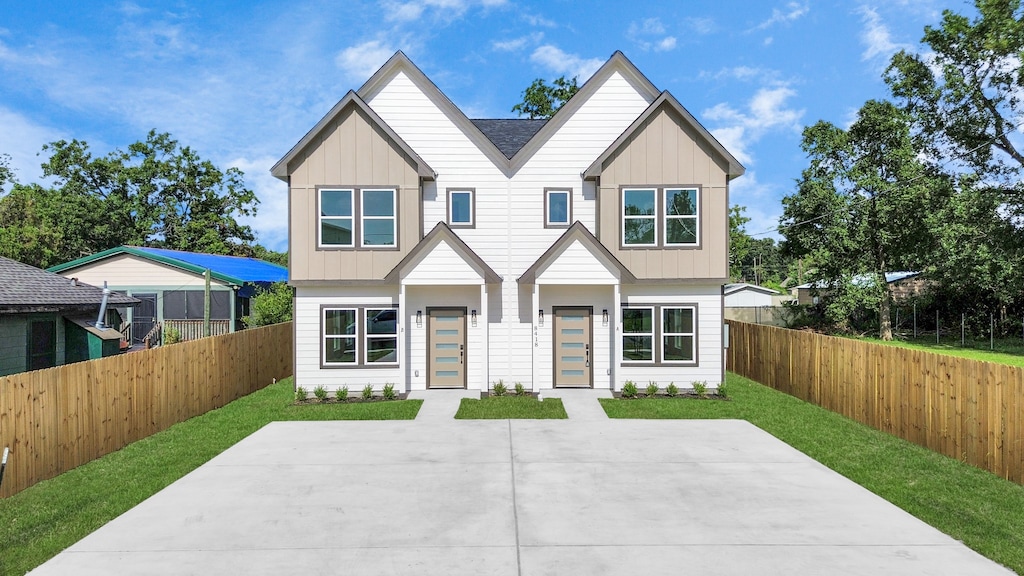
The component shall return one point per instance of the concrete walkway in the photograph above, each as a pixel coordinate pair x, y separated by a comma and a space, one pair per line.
440, 405
580, 403
520, 497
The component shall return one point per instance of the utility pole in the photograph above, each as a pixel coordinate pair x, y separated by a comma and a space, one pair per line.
206, 304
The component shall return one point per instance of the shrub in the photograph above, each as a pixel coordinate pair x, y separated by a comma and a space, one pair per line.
171, 335
321, 393
368, 392
269, 306
723, 390
520, 389
652, 388
499, 388
301, 394
700, 388
672, 389
341, 394
389, 392
629, 389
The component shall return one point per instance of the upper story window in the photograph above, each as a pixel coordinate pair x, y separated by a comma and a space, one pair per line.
557, 207
358, 217
461, 210
660, 217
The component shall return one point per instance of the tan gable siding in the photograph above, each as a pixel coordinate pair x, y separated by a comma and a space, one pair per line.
665, 151
350, 151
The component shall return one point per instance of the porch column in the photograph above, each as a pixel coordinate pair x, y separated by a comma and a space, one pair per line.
535, 337
404, 359
484, 329
616, 358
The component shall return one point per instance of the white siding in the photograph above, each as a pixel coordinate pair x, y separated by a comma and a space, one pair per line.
576, 265
129, 270
599, 298
442, 265
423, 297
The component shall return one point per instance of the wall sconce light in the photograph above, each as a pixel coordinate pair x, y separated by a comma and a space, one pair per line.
604, 317
540, 317
472, 315
419, 318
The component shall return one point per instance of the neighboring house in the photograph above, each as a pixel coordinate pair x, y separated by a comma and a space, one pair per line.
901, 284
170, 286
748, 295
583, 251
47, 320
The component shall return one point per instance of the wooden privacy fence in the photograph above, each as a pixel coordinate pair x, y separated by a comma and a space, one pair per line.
966, 409
59, 418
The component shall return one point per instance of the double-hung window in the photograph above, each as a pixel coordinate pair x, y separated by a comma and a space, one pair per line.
461, 210
359, 336
557, 207
660, 217
659, 334
357, 217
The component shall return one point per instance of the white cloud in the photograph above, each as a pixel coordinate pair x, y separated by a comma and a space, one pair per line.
666, 44
763, 204
702, 26
876, 37
561, 62
538, 20
649, 34
362, 60
23, 140
270, 222
766, 111
445, 10
793, 11
517, 44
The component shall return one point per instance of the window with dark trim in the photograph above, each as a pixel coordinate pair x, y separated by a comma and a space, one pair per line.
357, 217
461, 208
658, 335
663, 216
557, 207
359, 336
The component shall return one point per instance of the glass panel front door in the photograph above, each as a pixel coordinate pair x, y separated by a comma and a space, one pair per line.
572, 344
446, 348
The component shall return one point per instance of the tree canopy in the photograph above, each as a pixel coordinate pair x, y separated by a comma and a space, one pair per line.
542, 100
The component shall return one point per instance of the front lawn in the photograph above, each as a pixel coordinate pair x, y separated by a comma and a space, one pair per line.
514, 407
970, 504
39, 522
1009, 351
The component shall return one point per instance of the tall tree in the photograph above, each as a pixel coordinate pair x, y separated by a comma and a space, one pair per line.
739, 241
6, 172
542, 100
860, 208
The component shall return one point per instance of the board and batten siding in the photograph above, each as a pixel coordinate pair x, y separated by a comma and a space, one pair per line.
666, 151
129, 270
350, 151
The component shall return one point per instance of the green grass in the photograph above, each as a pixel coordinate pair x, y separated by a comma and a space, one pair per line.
971, 505
39, 522
1007, 351
516, 407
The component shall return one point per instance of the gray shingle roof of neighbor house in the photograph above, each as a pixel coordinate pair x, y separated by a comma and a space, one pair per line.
509, 134
25, 288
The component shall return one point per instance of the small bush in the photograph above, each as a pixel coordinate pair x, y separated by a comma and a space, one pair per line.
389, 392
341, 394
368, 392
321, 393
723, 390
171, 335
672, 389
629, 389
301, 394
520, 389
499, 388
652, 388
700, 389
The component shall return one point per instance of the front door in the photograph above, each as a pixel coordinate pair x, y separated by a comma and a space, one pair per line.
446, 347
143, 317
572, 343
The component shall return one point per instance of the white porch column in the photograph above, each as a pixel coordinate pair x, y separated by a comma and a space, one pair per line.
484, 327
535, 338
616, 358
404, 358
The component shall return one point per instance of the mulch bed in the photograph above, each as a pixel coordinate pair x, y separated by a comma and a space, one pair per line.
680, 396
352, 399
508, 395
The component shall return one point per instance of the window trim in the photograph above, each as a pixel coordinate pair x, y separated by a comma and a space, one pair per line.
472, 208
547, 208
653, 334
657, 325
357, 218
361, 337
661, 217
666, 216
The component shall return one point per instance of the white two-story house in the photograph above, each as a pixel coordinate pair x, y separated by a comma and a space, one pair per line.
429, 250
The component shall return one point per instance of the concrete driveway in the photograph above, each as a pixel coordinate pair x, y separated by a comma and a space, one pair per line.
578, 496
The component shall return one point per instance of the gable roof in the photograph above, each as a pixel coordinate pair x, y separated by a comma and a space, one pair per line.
441, 233
509, 134
490, 148
576, 232
280, 169
667, 100
740, 287
26, 288
236, 270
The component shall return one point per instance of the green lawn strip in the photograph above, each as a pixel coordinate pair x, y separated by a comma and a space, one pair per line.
971, 505
1009, 352
39, 522
515, 407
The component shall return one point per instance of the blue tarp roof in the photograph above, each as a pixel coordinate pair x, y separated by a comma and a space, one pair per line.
244, 269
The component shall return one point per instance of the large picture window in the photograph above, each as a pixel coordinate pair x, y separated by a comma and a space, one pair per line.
359, 336
355, 218
659, 334
660, 217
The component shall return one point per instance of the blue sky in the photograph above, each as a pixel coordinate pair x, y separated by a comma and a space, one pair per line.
242, 81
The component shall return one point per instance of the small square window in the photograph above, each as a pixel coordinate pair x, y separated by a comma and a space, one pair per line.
557, 208
460, 209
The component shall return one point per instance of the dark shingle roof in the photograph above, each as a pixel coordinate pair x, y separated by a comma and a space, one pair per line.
509, 134
25, 288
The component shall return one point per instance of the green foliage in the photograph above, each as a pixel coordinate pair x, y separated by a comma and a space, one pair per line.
499, 388
367, 393
341, 394
629, 389
6, 172
171, 335
267, 255
542, 100
320, 392
672, 390
700, 388
723, 390
270, 306
520, 389
301, 394
652, 388
388, 393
